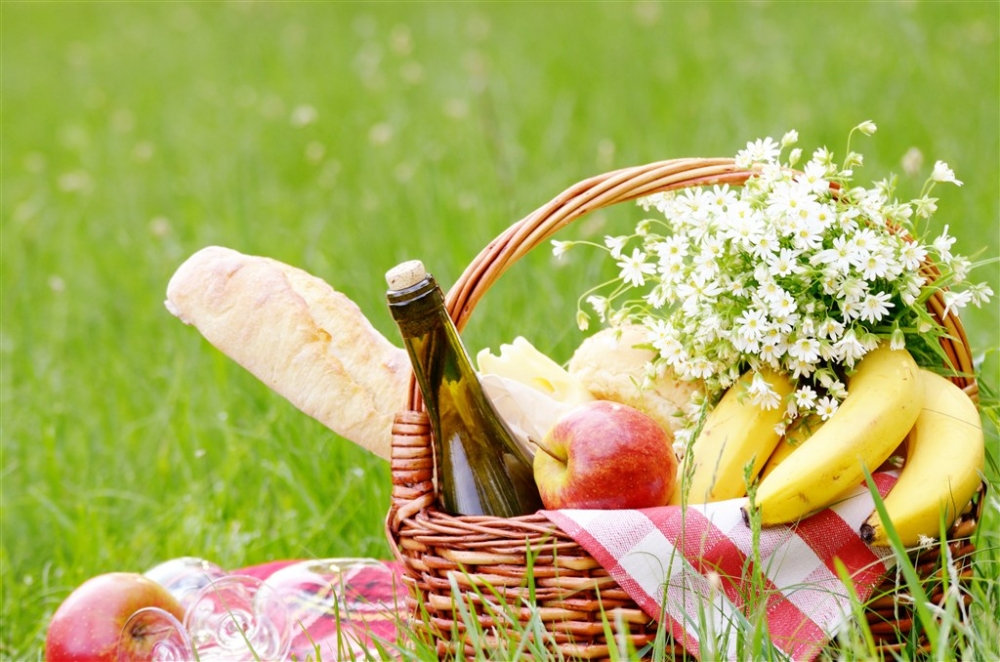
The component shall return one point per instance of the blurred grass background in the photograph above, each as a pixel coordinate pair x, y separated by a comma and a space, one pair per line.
343, 138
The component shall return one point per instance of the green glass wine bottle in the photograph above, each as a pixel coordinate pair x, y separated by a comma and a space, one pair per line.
480, 468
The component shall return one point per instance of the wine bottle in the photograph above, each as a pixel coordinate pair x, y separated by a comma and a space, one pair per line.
480, 468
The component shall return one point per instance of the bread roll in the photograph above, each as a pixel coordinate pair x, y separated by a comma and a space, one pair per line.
295, 333
613, 368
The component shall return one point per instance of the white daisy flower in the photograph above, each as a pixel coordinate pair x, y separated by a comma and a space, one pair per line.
616, 245
942, 173
635, 268
761, 393
826, 407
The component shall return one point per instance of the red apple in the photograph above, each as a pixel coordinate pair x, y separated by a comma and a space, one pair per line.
605, 455
88, 624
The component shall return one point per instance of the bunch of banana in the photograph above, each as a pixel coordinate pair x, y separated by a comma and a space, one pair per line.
945, 455
892, 404
736, 432
885, 396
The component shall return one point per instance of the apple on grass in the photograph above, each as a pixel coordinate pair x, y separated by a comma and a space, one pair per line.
605, 455
89, 624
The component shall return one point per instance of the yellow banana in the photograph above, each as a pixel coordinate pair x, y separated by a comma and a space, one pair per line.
794, 438
944, 459
884, 398
736, 432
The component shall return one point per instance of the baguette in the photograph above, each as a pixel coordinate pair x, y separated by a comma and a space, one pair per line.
299, 336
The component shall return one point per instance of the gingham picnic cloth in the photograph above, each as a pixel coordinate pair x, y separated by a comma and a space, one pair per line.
692, 570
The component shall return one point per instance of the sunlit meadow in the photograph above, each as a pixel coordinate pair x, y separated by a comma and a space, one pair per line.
343, 138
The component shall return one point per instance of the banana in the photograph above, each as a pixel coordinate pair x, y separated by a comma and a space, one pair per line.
736, 432
945, 456
884, 398
794, 438
522, 362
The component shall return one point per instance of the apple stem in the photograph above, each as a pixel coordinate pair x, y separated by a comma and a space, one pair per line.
546, 450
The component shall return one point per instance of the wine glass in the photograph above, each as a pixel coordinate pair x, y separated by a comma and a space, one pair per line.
185, 576
152, 634
336, 605
238, 618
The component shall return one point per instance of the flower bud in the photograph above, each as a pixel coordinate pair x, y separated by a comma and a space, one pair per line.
867, 127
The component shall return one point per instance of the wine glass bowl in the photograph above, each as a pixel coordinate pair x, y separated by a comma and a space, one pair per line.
333, 608
238, 618
185, 576
152, 634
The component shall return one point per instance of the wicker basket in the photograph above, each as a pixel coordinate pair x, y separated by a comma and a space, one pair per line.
570, 588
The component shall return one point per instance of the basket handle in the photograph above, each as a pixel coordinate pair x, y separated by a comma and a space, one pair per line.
628, 184
582, 198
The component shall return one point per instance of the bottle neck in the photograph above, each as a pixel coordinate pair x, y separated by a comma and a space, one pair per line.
417, 309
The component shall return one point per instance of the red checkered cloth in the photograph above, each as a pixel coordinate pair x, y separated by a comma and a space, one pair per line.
692, 572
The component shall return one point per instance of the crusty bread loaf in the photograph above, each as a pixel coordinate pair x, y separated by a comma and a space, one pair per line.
295, 333
612, 367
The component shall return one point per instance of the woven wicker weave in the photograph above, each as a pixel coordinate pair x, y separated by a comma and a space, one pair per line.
576, 598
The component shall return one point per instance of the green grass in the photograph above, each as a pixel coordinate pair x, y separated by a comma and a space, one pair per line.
134, 134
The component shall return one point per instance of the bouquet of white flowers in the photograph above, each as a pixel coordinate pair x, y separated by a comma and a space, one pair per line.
799, 270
